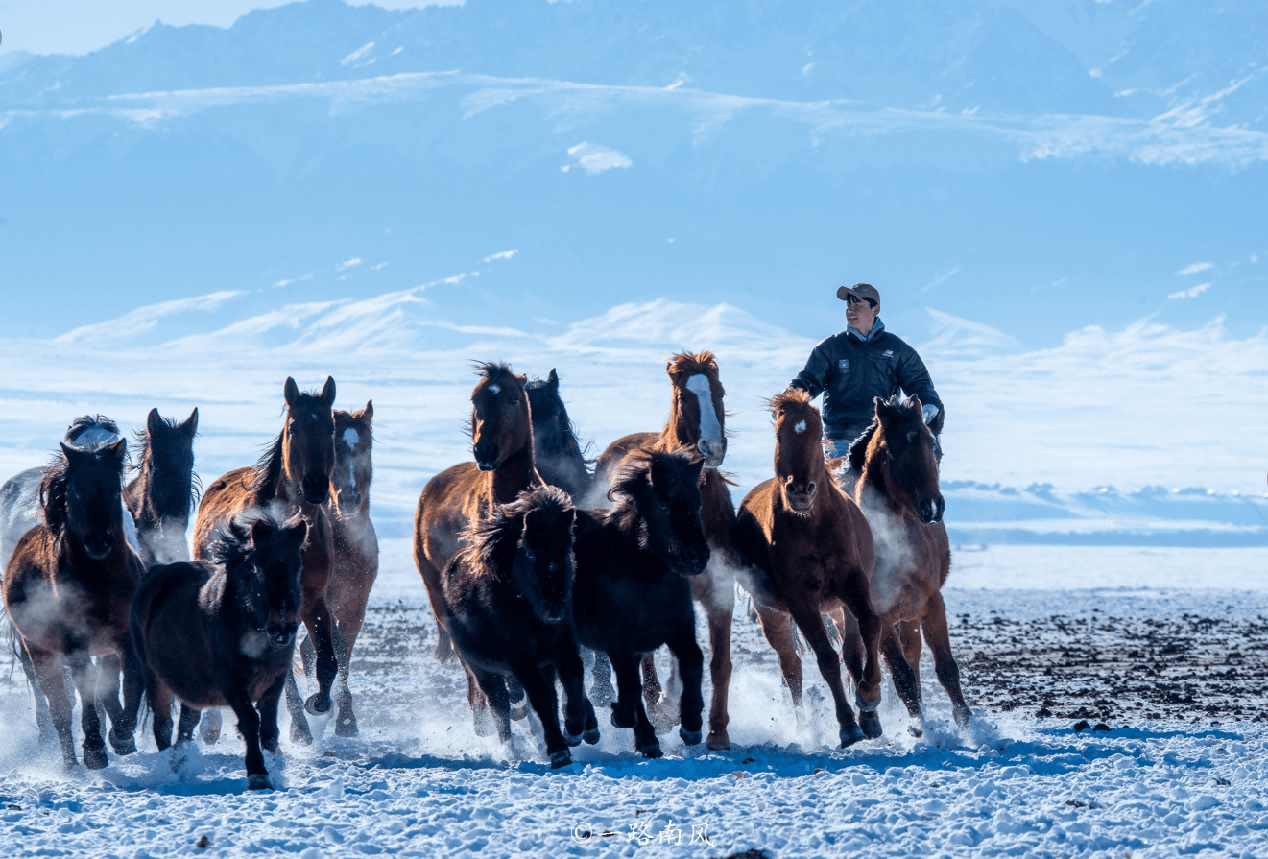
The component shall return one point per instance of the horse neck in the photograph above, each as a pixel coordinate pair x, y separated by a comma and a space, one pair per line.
874, 490
140, 491
516, 473
669, 438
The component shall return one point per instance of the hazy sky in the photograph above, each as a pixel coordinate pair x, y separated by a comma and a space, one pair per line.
83, 26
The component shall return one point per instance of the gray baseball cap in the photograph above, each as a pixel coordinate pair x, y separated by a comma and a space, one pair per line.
859, 290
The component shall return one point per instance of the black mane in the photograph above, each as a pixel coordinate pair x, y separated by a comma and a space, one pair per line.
489, 537
268, 469
54, 487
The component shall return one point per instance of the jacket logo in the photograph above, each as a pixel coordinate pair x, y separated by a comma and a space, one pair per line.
843, 364
889, 353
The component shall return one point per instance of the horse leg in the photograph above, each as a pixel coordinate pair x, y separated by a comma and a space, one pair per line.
718, 609
853, 652
580, 722
628, 711
320, 625
249, 727
909, 637
539, 686
108, 686
345, 719
857, 596
777, 627
160, 698
43, 721
433, 581
189, 718
810, 622
652, 692
682, 644
47, 667
905, 681
301, 734
479, 702
83, 672
492, 689
268, 715
935, 630
133, 674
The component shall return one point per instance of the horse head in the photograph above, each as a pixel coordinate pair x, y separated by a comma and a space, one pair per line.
558, 454
501, 424
662, 490
903, 452
697, 416
308, 440
799, 468
262, 563
353, 467
168, 446
82, 497
542, 567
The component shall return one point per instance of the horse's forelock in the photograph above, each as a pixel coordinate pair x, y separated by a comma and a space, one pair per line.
84, 423
687, 364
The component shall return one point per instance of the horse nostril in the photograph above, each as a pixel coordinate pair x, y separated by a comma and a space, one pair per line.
810, 488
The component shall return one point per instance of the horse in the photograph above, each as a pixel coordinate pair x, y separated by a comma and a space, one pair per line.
808, 550
508, 603
556, 450
633, 593
165, 488
697, 419
461, 495
68, 590
292, 477
223, 633
356, 563
898, 491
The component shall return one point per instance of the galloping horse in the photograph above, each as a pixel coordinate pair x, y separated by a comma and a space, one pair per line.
68, 592
809, 551
356, 561
697, 419
165, 488
560, 460
293, 477
461, 495
898, 491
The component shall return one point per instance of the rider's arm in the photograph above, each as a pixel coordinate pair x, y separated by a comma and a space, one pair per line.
814, 377
913, 378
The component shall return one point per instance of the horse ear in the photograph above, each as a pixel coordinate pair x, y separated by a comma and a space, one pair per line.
153, 423
671, 369
73, 454
697, 465
117, 451
883, 411
296, 531
368, 412
552, 379
190, 424
261, 529
328, 391
290, 390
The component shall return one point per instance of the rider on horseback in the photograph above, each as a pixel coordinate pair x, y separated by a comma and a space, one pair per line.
860, 363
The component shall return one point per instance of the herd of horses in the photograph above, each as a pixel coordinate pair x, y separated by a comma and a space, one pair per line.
531, 561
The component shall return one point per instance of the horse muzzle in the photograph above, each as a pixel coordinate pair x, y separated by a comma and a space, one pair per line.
486, 456
931, 510
315, 489
714, 452
98, 546
281, 636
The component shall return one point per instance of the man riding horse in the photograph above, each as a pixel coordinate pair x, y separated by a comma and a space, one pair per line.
860, 363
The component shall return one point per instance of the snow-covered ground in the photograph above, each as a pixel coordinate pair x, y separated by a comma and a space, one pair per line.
419, 782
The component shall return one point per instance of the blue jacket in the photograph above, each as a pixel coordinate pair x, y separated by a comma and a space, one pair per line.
849, 370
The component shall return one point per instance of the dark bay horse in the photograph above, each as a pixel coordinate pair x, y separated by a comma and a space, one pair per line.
560, 459
898, 491
462, 495
223, 633
508, 602
292, 478
697, 419
68, 592
808, 551
633, 593
165, 488
356, 560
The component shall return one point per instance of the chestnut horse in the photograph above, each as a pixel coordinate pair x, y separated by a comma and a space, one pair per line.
461, 495
293, 477
356, 562
697, 419
68, 592
898, 491
809, 551
165, 488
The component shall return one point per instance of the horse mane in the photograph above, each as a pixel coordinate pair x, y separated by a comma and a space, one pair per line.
632, 475
143, 443
488, 537
689, 363
568, 429
82, 424
492, 369
857, 455
790, 397
54, 486
268, 469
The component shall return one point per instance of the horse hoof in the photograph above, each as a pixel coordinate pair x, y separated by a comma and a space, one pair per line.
691, 738
866, 706
591, 736
95, 757
300, 733
651, 750
621, 721
962, 716
916, 731
317, 704
560, 758
851, 735
718, 741
572, 740
259, 782
871, 724
122, 746
346, 728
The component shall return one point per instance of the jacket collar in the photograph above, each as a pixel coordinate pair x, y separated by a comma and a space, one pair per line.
877, 329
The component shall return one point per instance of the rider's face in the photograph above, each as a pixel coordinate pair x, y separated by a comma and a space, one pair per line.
861, 314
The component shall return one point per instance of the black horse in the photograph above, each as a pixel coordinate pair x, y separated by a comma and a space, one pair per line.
508, 603
632, 593
223, 633
165, 488
560, 459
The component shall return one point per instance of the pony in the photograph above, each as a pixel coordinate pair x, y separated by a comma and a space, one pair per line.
556, 450
165, 488
898, 491
356, 564
633, 594
809, 550
291, 478
67, 592
697, 419
223, 633
508, 598
461, 495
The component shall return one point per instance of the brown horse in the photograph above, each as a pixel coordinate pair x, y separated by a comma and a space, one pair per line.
293, 477
461, 495
898, 491
697, 419
809, 551
68, 591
